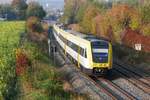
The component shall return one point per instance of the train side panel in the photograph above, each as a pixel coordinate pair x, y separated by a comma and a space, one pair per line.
85, 62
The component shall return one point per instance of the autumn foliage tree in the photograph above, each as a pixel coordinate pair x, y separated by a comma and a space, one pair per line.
87, 21
122, 16
111, 20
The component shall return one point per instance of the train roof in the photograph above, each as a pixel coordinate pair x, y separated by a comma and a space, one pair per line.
76, 33
88, 37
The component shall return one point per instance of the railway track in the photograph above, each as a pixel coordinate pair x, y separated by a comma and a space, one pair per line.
126, 83
105, 90
133, 69
140, 82
114, 89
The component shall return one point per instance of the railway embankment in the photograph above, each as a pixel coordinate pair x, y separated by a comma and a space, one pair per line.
39, 79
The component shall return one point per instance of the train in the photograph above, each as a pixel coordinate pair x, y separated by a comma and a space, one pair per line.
91, 54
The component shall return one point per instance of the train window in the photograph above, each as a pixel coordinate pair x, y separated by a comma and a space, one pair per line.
70, 44
83, 52
73, 46
100, 57
100, 44
76, 48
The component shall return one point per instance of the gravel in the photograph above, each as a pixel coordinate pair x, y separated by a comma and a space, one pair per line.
124, 84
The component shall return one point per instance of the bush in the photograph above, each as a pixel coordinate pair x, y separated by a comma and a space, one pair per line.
22, 61
35, 30
34, 25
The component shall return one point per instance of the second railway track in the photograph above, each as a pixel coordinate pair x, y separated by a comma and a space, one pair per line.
125, 83
114, 89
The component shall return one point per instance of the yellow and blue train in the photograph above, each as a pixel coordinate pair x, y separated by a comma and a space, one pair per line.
91, 54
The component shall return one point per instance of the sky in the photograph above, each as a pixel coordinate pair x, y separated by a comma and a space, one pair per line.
54, 4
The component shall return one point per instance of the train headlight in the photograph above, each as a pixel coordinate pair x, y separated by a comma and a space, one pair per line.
97, 70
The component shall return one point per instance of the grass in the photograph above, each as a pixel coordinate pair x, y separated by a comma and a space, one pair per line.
41, 80
9, 41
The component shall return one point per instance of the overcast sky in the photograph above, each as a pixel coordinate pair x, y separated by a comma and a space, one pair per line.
50, 3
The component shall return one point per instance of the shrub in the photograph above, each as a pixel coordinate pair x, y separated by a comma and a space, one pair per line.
34, 25
22, 61
35, 30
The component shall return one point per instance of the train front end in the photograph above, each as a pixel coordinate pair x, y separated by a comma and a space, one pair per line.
101, 57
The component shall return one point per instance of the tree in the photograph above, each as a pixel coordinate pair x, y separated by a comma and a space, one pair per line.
71, 10
80, 13
34, 9
7, 12
87, 22
145, 9
19, 7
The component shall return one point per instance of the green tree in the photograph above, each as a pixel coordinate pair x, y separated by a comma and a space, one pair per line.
19, 7
34, 9
4, 10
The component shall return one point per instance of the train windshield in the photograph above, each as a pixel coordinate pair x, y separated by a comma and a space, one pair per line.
100, 51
